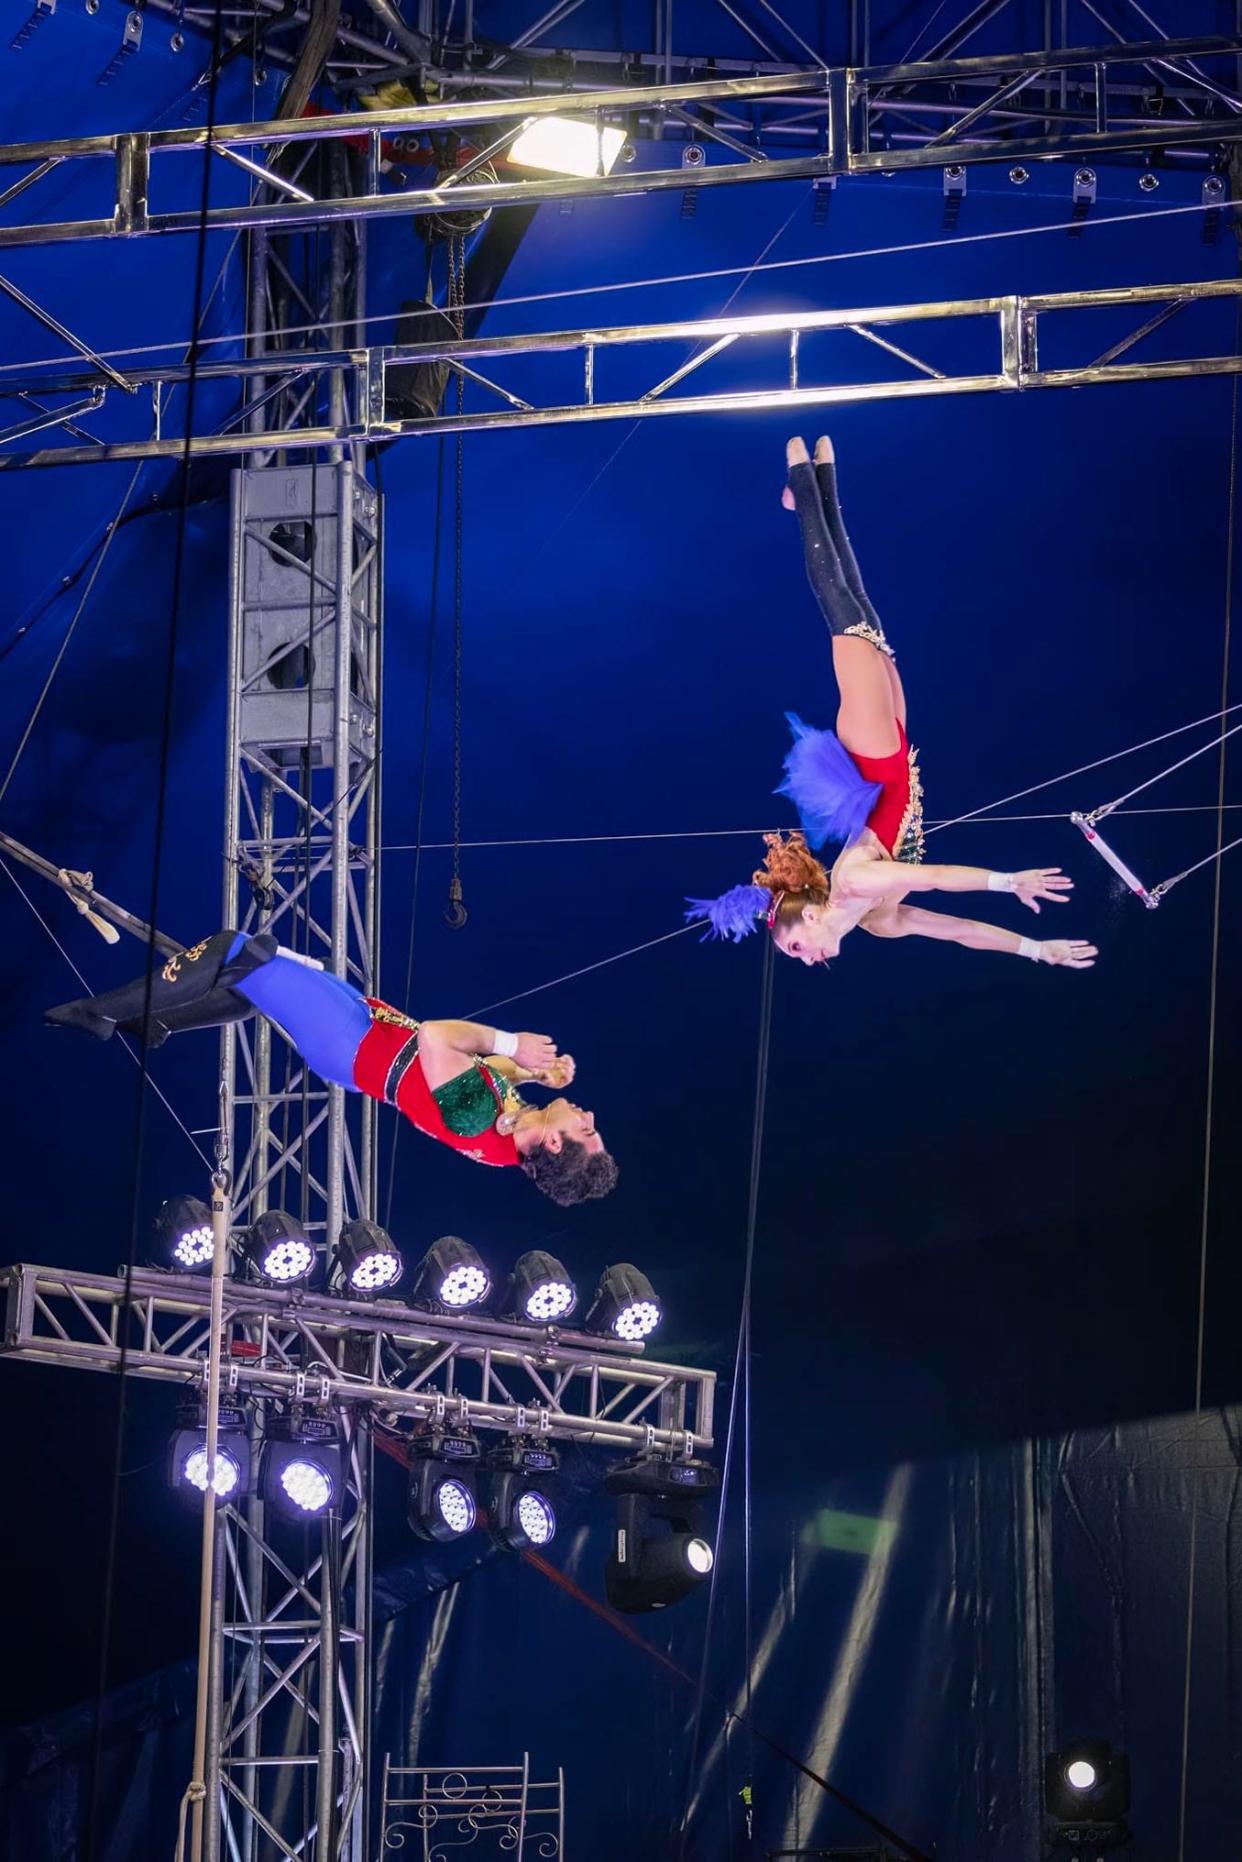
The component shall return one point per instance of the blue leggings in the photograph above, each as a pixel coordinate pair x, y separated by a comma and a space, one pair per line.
324, 1016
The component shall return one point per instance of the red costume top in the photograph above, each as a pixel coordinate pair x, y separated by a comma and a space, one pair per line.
897, 818
387, 1067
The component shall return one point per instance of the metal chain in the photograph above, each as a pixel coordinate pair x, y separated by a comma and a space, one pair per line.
455, 911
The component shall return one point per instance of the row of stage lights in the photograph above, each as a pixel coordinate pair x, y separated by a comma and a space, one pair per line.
451, 1277
659, 1554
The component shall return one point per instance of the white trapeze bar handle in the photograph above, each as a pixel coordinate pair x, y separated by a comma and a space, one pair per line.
1115, 861
298, 956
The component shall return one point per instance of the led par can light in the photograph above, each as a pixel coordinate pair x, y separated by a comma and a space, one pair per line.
450, 1277
540, 1290
443, 1493
303, 1466
279, 1249
520, 1508
183, 1238
187, 1454
625, 1304
368, 1261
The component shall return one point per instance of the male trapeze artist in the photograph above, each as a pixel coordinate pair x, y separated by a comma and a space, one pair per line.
456, 1081
860, 785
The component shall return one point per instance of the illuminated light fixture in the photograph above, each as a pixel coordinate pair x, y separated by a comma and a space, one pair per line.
443, 1502
303, 1470
183, 1240
367, 1258
187, 1453
625, 1304
659, 1554
540, 1290
451, 1276
1087, 1794
565, 145
520, 1512
279, 1249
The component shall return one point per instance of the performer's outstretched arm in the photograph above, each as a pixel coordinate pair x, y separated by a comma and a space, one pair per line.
889, 879
915, 921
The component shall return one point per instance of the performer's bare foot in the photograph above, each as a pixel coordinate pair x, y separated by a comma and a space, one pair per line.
795, 454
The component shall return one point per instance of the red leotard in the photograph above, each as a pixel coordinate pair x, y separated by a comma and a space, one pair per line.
385, 1070
897, 818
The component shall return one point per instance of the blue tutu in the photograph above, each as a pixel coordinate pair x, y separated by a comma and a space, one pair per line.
822, 781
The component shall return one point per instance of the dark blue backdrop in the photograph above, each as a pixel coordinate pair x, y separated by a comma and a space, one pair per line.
982, 1185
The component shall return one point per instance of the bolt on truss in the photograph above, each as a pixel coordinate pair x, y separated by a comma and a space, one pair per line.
801, 359
351, 1356
1077, 102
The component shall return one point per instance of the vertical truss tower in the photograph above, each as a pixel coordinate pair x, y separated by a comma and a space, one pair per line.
288, 1744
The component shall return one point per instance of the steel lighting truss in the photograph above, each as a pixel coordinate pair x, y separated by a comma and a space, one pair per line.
347, 1356
803, 359
1079, 102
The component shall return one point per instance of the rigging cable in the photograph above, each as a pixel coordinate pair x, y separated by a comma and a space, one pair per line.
455, 911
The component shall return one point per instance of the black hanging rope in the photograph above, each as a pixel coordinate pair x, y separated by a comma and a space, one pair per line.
455, 911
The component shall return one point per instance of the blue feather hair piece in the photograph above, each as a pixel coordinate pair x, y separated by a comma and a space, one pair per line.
735, 914
822, 781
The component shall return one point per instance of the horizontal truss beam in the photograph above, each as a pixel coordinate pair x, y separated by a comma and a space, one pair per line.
848, 98
338, 1353
1009, 330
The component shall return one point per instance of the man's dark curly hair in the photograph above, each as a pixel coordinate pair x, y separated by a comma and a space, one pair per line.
573, 1174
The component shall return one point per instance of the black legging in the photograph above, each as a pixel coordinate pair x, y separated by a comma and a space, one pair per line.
831, 565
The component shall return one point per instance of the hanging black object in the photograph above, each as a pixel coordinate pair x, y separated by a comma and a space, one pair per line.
455, 913
415, 390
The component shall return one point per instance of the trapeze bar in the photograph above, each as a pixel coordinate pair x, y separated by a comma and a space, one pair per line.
1106, 853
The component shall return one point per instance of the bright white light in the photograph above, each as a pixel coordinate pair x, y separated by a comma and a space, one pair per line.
536, 1518
563, 145
374, 1271
288, 1260
637, 1319
549, 1300
1081, 1774
194, 1247
456, 1506
227, 1472
307, 1485
463, 1286
699, 1556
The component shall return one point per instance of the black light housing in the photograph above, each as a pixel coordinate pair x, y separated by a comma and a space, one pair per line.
367, 1258
1087, 1793
625, 1304
519, 1509
443, 1495
183, 1238
303, 1465
450, 1277
540, 1290
187, 1453
279, 1250
659, 1552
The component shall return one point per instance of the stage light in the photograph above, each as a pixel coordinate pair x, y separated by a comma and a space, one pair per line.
367, 1258
279, 1250
564, 145
540, 1289
1087, 1794
187, 1453
442, 1502
303, 1471
451, 1275
625, 1304
183, 1239
519, 1510
659, 1553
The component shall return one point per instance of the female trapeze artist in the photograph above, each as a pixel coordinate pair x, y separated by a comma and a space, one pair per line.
861, 786
456, 1081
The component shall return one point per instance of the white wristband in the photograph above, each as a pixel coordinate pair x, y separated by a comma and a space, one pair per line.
502, 1043
1002, 882
1030, 947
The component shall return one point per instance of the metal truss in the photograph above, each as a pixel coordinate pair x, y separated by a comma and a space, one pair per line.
1080, 102
803, 359
349, 1356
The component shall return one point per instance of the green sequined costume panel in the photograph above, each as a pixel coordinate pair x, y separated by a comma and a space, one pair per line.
469, 1104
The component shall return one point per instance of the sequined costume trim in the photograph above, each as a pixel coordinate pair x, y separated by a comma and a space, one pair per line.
863, 630
908, 846
469, 1102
